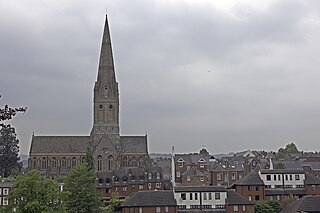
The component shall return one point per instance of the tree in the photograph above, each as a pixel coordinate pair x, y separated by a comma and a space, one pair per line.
115, 203
8, 113
80, 188
89, 159
34, 193
263, 206
9, 150
204, 151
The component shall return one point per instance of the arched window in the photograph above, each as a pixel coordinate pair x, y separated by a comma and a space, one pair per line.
108, 181
124, 179
100, 181
43, 163
63, 162
110, 162
158, 176
116, 179
125, 161
133, 178
34, 162
74, 162
134, 161
140, 162
99, 161
53, 162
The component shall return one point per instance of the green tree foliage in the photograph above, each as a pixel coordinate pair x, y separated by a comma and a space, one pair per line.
7, 113
34, 193
114, 204
263, 206
289, 199
204, 151
80, 189
89, 159
9, 150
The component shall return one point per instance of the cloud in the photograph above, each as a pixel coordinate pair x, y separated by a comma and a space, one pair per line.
228, 76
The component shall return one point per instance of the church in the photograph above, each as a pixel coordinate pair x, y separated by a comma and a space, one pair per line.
122, 163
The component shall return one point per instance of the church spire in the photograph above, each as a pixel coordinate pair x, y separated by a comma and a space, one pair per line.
106, 72
106, 93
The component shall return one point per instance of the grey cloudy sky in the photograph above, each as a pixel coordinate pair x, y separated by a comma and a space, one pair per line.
226, 75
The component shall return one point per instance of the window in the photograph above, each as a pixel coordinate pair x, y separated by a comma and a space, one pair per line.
43, 163
158, 185
99, 163
297, 177
150, 176
183, 196
64, 162
314, 187
5, 191
125, 161
217, 196
116, 179
108, 181
53, 162
257, 197
249, 188
124, 189
124, 179
131, 210
180, 164
5, 201
133, 162
201, 178
166, 209
140, 162
250, 197
201, 165
188, 178
100, 181
243, 208
235, 208
268, 177
158, 176
182, 207
219, 176
290, 177
279, 177
286, 177
110, 162
257, 188
190, 196
210, 196
204, 196
196, 196
158, 209
274, 177
74, 162
233, 176
140, 209
178, 174
140, 186
206, 206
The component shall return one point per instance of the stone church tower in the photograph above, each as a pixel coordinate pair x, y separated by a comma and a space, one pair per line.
122, 163
105, 137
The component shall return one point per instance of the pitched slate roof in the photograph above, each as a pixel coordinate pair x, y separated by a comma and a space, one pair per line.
150, 198
134, 144
288, 191
191, 158
234, 198
200, 189
306, 204
252, 179
59, 144
311, 179
281, 171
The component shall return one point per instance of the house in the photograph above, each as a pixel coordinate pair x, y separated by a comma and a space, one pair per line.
5, 188
307, 204
150, 202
